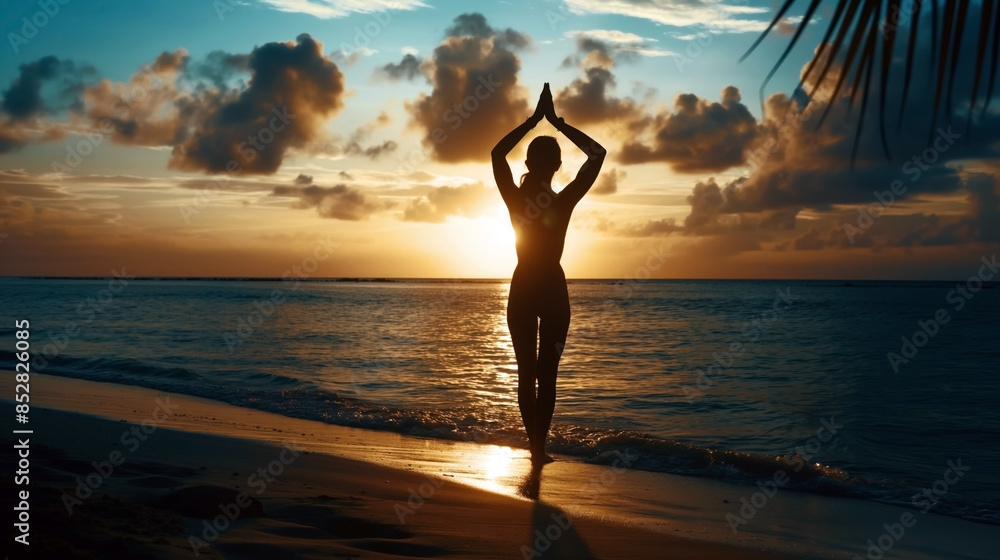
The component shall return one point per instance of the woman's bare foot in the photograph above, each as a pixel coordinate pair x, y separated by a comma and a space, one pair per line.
541, 458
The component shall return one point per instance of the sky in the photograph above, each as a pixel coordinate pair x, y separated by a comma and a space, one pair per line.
250, 137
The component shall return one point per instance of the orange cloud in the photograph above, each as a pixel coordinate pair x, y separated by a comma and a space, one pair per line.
441, 202
476, 98
293, 90
698, 135
339, 202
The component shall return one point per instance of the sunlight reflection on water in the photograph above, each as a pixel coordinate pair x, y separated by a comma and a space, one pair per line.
435, 359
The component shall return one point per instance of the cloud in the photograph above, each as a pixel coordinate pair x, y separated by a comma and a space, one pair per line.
984, 206
326, 9
607, 182
464, 200
586, 99
698, 135
799, 192
350, 58
979, 224
293, 91
219, 68
14, 182
409, 68
795, 163
717, 209
11, 139
381, 121
619, 42
354, 147
24, 104
24, 100
89, 229
711, 14
36, 207
789, 25
372, 152
475, 25
476, 98
150, 109
338, 202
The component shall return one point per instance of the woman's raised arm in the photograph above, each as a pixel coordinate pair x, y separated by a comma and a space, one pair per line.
501, 170
595, 158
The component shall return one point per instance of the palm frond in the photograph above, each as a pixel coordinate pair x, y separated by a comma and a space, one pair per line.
914, 25
984, 37
994, 58
853, 34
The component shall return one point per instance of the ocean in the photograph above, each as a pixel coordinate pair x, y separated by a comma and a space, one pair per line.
871, 390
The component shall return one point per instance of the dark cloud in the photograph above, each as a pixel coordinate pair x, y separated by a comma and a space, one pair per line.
591, 52
475, 25
354, 146
11, 139
587, 99
338, 202
707, 200
149, 109
794, 166
813, 239
465, 200
409, 68
41, 88
981, 223
293, 91
476, 98
357, 143
374, 151
220, 68
654, 228
984, 206
23, 99
698, 135
607, 182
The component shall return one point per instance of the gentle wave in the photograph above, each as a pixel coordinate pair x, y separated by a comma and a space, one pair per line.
302, 399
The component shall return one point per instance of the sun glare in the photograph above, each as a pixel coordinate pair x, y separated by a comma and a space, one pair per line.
485, 244
495, 467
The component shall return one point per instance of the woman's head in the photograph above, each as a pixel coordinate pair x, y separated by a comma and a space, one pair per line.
544, 157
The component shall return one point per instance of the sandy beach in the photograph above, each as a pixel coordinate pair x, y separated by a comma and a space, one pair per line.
177, 493
125, 470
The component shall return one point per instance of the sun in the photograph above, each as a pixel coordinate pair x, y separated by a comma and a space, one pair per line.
484, 244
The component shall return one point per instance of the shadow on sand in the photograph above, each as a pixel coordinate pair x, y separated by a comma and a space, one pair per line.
552, 535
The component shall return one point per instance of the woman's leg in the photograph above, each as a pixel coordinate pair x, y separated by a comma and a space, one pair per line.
552, 339
523, 325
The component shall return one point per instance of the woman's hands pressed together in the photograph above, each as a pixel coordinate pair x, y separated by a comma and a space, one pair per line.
544, 108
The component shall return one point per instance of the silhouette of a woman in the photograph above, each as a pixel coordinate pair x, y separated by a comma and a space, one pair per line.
538, 303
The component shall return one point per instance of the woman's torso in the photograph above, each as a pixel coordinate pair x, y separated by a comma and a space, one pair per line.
540, 222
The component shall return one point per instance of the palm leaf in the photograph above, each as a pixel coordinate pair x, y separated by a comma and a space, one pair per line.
854, 29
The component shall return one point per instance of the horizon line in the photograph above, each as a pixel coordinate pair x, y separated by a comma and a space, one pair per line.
389, 279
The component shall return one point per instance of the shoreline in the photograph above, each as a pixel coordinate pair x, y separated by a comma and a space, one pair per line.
653, 509
295, 502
